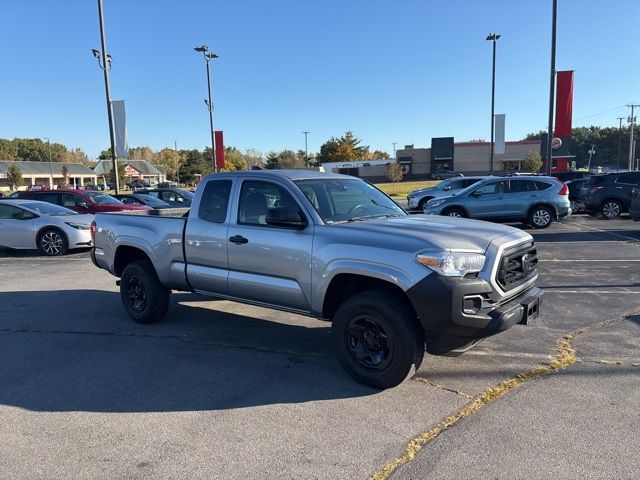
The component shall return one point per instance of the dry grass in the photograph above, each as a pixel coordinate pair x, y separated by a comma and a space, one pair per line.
400, 189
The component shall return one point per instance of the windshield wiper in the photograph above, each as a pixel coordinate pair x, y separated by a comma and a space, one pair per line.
368, 217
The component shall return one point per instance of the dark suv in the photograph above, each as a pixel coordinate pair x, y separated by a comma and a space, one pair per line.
609, 195
570, 175
82, 201
176, 197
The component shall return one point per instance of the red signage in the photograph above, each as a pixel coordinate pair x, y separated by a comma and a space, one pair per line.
219, 150
564, 104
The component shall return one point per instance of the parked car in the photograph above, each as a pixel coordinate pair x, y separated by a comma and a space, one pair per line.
608, 195
82, 201
138, 184
442, 174
30, 224
2, 195
417, 199
36, 187
575, 186
333, 247
571, 175
176, 197
141, 199
536, 201
634, 208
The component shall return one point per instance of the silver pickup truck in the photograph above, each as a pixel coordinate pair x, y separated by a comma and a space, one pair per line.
332, 247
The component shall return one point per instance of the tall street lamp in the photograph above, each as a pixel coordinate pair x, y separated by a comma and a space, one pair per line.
208, 55
552, 84
104, 61
619, 135
493, 37
50, 164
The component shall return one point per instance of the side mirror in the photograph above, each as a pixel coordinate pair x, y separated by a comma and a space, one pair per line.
476, 194
82, 204
446, 188
285, 217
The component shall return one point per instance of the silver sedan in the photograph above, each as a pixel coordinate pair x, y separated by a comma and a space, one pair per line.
30, 224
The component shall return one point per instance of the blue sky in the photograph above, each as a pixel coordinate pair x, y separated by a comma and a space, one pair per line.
401, 71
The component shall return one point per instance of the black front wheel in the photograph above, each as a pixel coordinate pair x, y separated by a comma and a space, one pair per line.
52, 242
144, 298
540, 217
377, 338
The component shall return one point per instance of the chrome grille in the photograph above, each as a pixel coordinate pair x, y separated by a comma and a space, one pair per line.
517, 265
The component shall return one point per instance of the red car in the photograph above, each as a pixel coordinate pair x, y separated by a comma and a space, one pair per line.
82, 201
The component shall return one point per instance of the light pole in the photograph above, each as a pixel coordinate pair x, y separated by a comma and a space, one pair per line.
104, 61
394, 148
552, 84
50, 164
175, 148
208, 55
493, 37
306, 148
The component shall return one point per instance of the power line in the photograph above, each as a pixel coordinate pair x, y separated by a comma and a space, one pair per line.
599, 114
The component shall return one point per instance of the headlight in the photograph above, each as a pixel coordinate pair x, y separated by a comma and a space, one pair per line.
435, 202
79, 226
452, 264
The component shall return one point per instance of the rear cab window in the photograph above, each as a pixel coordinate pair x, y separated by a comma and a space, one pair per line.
215, 201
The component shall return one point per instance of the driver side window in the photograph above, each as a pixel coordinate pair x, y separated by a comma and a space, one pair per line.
7, 211
257, 198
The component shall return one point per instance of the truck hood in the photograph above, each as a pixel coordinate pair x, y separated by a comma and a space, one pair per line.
439, 233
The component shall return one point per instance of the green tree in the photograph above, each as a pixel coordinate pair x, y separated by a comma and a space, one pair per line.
343, 149
532, 162
77, 155
122, 176
378, 154
284, 159
194, 165
14, 176
8, 150
253, 158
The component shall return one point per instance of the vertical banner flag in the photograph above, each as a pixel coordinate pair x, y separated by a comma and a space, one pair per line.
120, 128
498, 147
564, 104
219, 149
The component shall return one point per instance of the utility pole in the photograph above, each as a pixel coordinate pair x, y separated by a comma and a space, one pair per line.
591, 152
632, 121
552, 84
175, 149
394, 148
619, 139
306, 149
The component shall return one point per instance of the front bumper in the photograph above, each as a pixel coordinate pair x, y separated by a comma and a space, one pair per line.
456, 313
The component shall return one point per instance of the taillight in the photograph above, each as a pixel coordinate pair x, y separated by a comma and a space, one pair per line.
564, 190
93, 232
595, 190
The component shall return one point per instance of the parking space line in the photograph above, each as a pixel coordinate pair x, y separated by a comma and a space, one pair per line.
584, 227
564, 260
594, 292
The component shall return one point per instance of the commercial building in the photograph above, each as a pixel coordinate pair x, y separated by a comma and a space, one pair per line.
134, 169
42, 173
468, 158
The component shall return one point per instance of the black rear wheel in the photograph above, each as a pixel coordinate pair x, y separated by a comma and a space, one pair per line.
377, 338
454, 212
144, 298
611, 209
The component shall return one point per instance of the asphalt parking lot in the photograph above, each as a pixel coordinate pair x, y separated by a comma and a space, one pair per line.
223, 390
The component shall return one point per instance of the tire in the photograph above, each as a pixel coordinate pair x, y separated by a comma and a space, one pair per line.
540, 217
611, 209
423, 203
377, 339
52, 242
575, 206
454, 212
144, 298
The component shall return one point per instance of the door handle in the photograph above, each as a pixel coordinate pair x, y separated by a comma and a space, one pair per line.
619, 188
238, 240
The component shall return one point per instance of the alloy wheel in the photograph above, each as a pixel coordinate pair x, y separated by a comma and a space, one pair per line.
611, 209
52, 243
541, 218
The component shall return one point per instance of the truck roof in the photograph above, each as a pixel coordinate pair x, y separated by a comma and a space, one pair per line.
291, 174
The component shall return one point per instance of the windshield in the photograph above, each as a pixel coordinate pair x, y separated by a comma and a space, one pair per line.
348, 200
45, 208
445, 183
151, 201
103, 199
185, 193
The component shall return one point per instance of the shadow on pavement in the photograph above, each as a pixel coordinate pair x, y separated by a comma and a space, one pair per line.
87, 357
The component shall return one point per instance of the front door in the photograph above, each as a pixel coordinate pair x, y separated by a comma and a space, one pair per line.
269, 264
522, 194
489, 200
15, 230
623, 186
